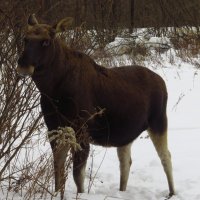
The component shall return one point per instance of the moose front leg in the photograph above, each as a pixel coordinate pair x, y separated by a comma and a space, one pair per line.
59, 155
60, 150
79, 165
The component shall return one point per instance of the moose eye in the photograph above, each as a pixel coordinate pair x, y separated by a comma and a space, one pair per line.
45, 43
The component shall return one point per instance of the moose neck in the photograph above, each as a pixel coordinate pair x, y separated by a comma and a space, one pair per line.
48, 76
66, 71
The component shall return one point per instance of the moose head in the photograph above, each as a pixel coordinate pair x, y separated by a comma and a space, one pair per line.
39, 44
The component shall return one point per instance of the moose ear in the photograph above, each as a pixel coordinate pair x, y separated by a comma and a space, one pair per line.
32, 20
63, 24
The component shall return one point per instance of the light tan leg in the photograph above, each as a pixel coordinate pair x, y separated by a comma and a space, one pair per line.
60, 155
79, 165
161, 146
124, 155
79, 177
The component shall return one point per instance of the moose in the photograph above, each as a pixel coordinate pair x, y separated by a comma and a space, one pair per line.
74, 87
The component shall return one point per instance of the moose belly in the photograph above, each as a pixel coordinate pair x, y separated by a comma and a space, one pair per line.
115, 132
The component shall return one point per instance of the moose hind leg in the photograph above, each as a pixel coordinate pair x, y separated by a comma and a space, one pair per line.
161, 146
79, 165
124, 155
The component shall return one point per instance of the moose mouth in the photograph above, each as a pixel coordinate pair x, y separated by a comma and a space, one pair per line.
25, 71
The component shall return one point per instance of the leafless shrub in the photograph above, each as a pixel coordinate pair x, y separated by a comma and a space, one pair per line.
21, 123
186, 43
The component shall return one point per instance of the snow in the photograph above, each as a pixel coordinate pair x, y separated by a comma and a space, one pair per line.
147, 180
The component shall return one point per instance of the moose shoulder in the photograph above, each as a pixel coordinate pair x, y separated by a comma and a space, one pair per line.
73, 88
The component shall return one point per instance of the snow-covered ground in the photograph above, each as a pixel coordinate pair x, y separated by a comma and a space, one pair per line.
147, 180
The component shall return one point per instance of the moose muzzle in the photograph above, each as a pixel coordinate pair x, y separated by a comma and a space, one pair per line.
25, 71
